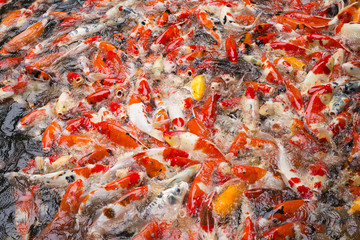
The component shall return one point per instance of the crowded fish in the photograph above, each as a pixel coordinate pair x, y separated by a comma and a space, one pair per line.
170, 119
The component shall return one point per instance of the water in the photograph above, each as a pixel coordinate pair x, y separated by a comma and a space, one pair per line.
15, 151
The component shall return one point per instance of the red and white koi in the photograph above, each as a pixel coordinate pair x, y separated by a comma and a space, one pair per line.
290, 175
36, 116
314, 114
136, 112
200, 187
120, 213
287, 49
176, 109
352, 68
319, 74
26, 212
13, 89
270, 73
161, 155
108, 193
250, 109
199, 148
318, 173
243, 143
82, 32
117, 11
317, 40
63, 223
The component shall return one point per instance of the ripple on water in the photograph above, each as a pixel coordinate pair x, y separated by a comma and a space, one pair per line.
15, 151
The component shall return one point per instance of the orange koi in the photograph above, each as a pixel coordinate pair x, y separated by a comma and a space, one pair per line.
25, 38
64, 220
118, 135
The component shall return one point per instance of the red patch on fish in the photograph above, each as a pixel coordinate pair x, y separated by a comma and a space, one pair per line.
305, 192
294, 181
317, 185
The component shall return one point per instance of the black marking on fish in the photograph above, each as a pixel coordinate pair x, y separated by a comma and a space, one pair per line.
49, 28
350, 87
129, 10
281, 210
70, 178
259, 42
110, 152
224, 19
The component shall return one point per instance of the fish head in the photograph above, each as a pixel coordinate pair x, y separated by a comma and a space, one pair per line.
177, 193
173, 138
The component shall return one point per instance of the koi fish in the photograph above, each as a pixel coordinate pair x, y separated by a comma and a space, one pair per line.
64, 177
289, 211
119, 214
64, 220
291, 177
107, 194
171, 198
257, 176
199, 148
136, 111
25, 38
229, 200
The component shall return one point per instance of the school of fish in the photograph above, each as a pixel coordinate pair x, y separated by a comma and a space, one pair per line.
185, 119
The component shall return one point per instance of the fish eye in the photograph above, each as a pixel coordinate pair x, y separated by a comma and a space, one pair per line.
177, 190
244, 172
